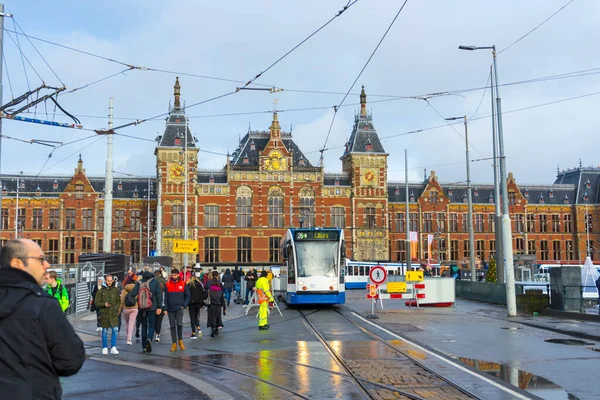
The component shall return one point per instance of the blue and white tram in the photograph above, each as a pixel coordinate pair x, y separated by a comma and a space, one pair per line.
312, 271
356, 274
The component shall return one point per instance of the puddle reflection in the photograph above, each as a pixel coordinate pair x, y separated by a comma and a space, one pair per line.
533, 384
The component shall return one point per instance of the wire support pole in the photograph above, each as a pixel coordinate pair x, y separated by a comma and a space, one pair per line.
108, 183
1, 90
185, 188
507, 248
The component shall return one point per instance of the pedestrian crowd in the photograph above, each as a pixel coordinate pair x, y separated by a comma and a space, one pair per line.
146, 297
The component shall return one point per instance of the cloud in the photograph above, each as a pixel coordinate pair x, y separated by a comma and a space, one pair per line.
419, 56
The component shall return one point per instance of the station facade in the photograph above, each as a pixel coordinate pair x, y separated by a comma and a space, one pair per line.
238, 212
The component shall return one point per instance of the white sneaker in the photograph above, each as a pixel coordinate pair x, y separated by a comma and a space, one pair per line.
157, 339
114, 350
98, 329
129, 342
199, 334
105, 351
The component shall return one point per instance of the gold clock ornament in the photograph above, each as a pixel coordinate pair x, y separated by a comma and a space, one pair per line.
176, 173
369, 177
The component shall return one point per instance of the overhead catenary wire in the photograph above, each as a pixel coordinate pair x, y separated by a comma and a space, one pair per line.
357, 78
251, 81
70, 155
23, 59
482, 95
537, 26
35, 48
12, 95
100, 80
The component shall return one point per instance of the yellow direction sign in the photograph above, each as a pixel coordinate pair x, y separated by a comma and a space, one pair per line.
185, 246
414, 276
396, 287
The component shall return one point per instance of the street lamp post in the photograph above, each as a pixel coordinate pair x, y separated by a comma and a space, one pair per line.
17, 209
147, 196
469, 202
507, 250
587, 225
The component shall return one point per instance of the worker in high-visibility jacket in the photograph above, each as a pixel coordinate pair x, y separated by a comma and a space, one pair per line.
263, 291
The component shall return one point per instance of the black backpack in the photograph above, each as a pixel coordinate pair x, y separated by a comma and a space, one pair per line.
130, 300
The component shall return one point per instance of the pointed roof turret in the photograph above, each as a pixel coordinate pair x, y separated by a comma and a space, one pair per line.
177, 93
177, 129
275, 128
364, 138
363, 102
80, 169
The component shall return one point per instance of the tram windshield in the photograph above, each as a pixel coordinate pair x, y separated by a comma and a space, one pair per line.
317, 258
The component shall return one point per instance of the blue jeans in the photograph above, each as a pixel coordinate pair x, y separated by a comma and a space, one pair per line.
236, 287
227, 294
248, 294
113, 337
148, 324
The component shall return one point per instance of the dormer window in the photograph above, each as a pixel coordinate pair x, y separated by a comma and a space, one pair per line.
177, 141
211, 179
475, 192
120, 186
541, 199
135, 193
411, 197
464, 198
491, 198
337, 181
397, 190
585, 196
4, 190
55, 184
246, 161
450, 192
301, 161
22, 184
526, 193
550, 193
177, 120
566, 199
368, 146
588, 184
252, 145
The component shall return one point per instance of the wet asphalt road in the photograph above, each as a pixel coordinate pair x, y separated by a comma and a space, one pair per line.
288, 361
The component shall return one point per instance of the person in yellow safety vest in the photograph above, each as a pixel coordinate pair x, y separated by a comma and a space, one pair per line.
264, 297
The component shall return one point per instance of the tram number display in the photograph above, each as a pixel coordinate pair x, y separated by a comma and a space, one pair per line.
317, 235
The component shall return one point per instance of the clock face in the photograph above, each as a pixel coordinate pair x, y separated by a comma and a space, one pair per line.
369, 177
176, 173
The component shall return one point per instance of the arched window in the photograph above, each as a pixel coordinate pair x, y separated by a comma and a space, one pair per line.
244, 207
306, 215
275, 207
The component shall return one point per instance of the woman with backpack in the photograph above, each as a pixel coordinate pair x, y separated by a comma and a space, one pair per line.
197, 296
129, 307
215, 301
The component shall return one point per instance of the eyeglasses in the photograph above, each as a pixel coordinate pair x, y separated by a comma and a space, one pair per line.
40, 259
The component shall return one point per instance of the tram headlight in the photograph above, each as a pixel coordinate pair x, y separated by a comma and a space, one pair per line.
303, 287
330, 287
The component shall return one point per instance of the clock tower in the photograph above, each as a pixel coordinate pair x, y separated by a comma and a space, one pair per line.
176, 164
365, 162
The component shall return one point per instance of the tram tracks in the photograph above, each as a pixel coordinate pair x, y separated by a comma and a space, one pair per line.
369, 387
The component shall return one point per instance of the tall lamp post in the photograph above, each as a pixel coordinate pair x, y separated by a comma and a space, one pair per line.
587, 224
17, 207
469, 201
507, 249
148, 195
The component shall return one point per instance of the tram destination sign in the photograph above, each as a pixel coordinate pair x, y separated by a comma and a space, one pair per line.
317, 235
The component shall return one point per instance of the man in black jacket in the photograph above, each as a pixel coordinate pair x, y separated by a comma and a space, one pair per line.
37, 343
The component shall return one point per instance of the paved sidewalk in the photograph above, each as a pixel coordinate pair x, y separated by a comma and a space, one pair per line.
482, 336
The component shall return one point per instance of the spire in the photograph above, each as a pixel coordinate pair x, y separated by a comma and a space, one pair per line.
363, 102
177, 92
275, 128
80, 169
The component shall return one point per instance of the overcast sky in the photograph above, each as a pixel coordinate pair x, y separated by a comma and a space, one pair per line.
239, 39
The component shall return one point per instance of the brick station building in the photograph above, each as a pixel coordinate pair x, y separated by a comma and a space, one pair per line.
239, 212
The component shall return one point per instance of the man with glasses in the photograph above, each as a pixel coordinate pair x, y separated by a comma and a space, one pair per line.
37, 343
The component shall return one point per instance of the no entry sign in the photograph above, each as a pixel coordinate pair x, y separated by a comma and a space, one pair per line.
378, 274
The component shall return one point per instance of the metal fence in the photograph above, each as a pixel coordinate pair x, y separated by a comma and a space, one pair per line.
581, 298
79, 279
